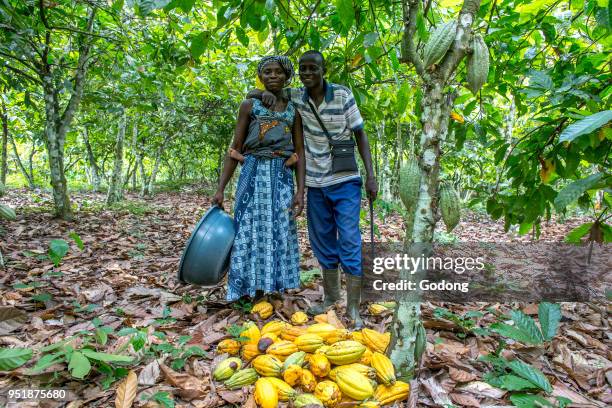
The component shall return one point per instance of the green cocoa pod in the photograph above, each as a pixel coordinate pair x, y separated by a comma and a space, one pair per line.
241, 378
296, 358
420, 342
477, 65
7, 213
450, 206
409, 183
439, 42
226, 368
306, 399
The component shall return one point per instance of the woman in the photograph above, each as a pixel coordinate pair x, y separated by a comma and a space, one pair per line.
267, 141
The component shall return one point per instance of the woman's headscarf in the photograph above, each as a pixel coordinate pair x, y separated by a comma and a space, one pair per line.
283, 61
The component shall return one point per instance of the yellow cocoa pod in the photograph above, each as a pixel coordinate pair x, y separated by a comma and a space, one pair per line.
292, 375
308, 342
292, 332
308, 380
282, 349
275, 327
369, 404
361, 368
357, 336
250, 334
319, 365
376, 341
366, 358
386, 394
354, 384
376, 309
328, 393
264, 309
303, 400
299, 318
226, 368
249, 352
321, 318
285, 391
345, 352
385, 372
322, 329
322, 350
267, 365
338, 335
229, 346
266, 395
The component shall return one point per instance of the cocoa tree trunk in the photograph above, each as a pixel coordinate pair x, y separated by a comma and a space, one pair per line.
91, 159
407, 332
115, 188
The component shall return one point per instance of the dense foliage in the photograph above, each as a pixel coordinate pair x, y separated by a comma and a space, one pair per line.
170, 75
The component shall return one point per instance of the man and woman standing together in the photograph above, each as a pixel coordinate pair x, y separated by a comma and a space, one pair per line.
310, 129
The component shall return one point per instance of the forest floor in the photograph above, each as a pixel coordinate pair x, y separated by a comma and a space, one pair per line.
119, 294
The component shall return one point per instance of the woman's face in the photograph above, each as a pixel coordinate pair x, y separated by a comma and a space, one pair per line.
273, 76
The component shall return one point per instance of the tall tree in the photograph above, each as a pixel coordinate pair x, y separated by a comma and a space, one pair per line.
50, 45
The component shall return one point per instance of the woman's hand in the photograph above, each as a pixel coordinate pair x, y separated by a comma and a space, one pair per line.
298, 203
218, 199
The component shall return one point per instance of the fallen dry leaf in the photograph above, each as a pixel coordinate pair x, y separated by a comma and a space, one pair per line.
465, 400
126, 391
189, 387
149, 374
460, 376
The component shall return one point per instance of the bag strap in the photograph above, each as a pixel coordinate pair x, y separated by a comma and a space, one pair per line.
314, 110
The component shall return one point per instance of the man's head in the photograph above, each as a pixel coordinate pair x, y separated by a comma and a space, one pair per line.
312, 68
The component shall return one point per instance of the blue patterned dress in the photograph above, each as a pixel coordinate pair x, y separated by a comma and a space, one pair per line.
265, 255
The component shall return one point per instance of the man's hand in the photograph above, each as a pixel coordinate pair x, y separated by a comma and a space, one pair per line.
298, 204
218, 199
268, 99
371, 187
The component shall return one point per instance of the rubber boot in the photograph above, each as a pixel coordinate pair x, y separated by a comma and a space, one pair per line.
331, 289
353, 298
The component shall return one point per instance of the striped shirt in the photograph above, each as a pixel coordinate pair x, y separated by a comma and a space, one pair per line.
341, 117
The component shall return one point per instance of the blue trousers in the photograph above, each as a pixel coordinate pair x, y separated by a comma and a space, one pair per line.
333, 225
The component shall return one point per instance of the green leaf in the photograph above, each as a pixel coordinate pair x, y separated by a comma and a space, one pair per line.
47, 361
77, 239
94, 355
531, 374
529, 401
11, 358
573, 237
402, 98
163, 398
586, 125
101, 336
513, 332
574, 190
513, 383
199, 43
527, 325
79, 365
186, 5
242, 36
58, 248
550, 316
346, 13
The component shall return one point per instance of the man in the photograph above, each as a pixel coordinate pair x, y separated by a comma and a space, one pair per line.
333, 199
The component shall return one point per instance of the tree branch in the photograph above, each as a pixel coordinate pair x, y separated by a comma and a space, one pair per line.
24, 74
462, 40
298, 39
79, 78
410, 9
